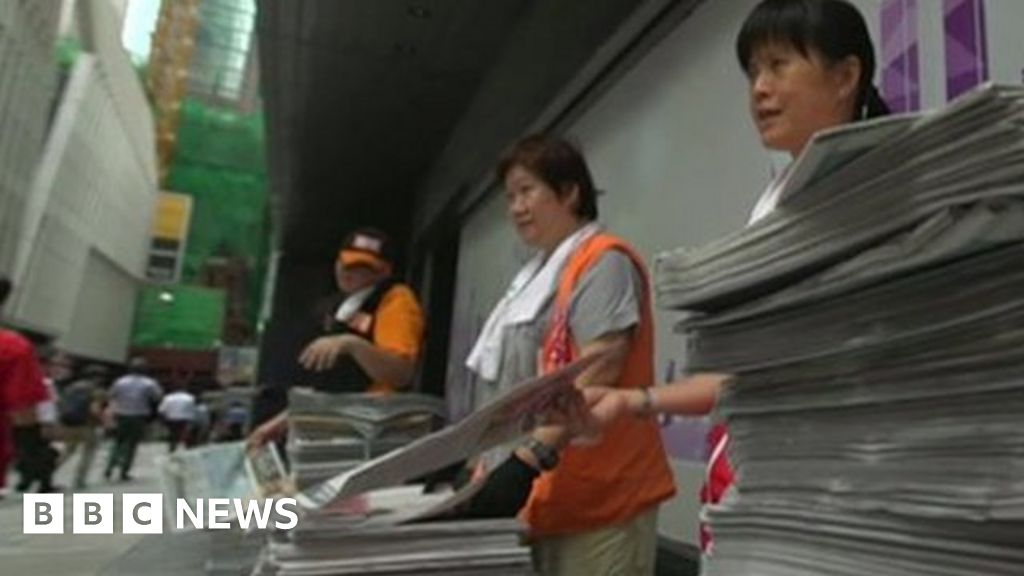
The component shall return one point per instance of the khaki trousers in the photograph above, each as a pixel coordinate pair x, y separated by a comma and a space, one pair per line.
86, 438
627, 549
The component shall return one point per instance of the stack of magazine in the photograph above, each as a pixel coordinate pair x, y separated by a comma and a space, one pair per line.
875, 324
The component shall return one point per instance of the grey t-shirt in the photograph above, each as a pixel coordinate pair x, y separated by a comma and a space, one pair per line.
134, 395
606, 300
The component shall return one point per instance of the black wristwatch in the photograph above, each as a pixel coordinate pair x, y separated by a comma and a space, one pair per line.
547, 457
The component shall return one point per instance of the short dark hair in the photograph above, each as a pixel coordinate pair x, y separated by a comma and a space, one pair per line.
558, 163
835, 29
5, 289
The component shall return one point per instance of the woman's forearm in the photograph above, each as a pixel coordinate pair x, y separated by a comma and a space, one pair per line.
694, 395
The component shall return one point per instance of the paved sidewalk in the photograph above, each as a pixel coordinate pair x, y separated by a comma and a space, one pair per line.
101, 555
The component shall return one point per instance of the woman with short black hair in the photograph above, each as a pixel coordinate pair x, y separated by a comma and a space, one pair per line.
810, 66
589, 509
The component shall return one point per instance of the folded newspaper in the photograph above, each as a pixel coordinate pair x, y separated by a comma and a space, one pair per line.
506, 418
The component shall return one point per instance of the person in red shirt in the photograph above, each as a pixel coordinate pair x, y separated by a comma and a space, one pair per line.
21, 389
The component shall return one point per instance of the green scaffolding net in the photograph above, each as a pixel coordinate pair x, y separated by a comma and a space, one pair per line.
190, 317
220, 162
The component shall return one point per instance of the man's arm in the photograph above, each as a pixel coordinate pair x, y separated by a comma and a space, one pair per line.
397, 339
383, 365
391, 357
268, 431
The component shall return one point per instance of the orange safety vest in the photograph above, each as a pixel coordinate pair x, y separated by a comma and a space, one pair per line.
626, 472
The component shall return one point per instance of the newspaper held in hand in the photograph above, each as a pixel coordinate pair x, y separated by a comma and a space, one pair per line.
503, 420
223, 471
385, 507
266, 471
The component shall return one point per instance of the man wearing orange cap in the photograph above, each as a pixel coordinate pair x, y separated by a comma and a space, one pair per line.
376, 333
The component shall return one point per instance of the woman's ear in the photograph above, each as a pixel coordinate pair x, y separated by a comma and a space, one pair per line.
847, 75
571, 197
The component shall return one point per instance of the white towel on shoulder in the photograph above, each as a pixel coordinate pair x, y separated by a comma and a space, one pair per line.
352, 304
526, 296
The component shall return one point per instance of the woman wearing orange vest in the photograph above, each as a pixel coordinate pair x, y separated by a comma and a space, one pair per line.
591, 509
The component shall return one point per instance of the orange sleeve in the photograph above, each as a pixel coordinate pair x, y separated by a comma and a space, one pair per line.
399, 323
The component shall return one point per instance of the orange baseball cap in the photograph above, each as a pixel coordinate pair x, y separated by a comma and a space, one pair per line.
367, 247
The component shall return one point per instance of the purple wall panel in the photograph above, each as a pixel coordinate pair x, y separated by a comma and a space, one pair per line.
686, 438
901, 67
966, 45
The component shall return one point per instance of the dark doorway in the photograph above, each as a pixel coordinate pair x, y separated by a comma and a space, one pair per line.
435, 275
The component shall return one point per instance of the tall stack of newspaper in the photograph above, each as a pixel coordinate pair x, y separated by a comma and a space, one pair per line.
875, 323
332, 433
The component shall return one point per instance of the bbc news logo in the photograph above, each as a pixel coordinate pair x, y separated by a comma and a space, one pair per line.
144, 513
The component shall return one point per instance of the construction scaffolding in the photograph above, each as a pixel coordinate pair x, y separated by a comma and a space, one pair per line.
174, 44
210, 143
